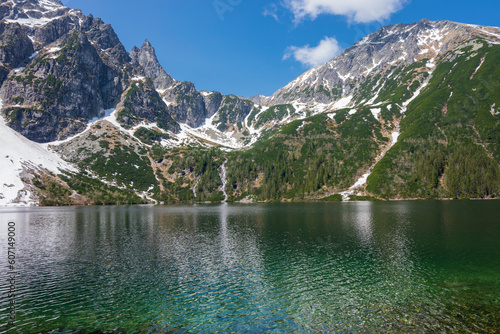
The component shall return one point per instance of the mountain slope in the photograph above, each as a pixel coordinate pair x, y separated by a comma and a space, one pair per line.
450, 141
400, 70
24, 159
379, 54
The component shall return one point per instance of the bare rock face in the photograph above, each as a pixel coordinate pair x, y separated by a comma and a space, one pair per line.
145, 58
106, 42
59, 90
15, 45
142, 103
5, 9
213, 102
15, 48
188, 105
232, 110
257, 99
53, 30
43, 20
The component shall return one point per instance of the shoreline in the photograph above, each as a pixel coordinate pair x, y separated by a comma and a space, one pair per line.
247, 202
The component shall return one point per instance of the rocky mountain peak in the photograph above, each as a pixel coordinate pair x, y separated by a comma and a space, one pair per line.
391, 46
40, 3
146, 58
50, 15
257, 99
147, 45
48, 3
34, 9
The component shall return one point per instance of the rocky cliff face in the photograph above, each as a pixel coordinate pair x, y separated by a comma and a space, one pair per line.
142, 103
148, 66
106, 42
60, 68
233, 110
63, 86
15, 48
213, 102
186, 104
43, 20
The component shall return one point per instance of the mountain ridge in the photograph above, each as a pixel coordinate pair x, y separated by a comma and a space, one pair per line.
409, 51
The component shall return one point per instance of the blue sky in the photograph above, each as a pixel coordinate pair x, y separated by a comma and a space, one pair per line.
249, 47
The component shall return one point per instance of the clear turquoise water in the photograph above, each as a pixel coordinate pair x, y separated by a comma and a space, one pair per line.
402, 267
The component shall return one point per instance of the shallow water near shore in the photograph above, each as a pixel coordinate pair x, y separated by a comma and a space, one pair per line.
415, 266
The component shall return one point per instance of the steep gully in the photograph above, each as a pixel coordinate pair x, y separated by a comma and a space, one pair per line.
395, 135
223, 178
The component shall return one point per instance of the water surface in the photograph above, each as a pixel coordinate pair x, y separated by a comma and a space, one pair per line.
423, 266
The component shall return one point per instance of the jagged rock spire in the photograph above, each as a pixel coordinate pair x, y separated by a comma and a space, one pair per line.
146, 57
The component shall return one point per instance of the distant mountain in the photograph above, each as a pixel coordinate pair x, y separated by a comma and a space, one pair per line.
379, 54
258, 99
410, 111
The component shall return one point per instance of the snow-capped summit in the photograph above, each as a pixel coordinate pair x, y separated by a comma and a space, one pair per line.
380, 52
33, 13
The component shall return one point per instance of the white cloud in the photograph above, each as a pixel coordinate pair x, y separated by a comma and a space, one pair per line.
271, 10
359, 11
314, 56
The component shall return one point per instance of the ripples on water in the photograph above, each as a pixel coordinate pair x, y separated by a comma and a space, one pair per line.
297, 268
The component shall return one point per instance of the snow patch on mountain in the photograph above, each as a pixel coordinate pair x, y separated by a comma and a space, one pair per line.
376, 113
477, 69
31, 22
109, 115
206, 135
361, 182
395, 136
342, 103
50, 5
416, 94
19, 156
38, 14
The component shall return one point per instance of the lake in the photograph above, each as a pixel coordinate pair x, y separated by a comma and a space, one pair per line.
410, 266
